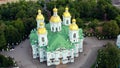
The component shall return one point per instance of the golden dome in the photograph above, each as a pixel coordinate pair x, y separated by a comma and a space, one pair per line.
39, 11
42, 31
39, 16
55, 10
66, 8
66, 13
41, 24
73, 26
73, 20
55, 19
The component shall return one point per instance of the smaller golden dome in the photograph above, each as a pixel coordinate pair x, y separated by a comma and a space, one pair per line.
55, 10
66, 13
73, 20
39, 11
66, 8
73, 26
39, 16
55, 19
42, 31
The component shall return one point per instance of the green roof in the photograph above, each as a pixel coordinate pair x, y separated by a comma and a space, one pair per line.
33, 37
81, 34
56, 39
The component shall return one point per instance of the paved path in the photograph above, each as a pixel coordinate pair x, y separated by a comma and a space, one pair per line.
22, 54
88, 57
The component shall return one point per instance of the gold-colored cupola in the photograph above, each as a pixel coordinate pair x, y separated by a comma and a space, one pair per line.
42, 30
73, 26
66, 13
55, 18
39, 16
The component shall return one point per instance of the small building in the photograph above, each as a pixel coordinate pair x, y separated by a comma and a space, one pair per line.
58, 41
118, 41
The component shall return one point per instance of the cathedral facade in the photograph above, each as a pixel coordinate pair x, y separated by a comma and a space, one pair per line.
57, 42
118, 41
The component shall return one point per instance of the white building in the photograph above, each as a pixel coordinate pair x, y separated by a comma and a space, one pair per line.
118, 41
58, 41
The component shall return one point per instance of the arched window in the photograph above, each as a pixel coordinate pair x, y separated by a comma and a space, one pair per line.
74, 35
66, 21
43, 39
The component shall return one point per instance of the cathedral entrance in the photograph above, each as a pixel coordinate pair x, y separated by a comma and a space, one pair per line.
60, 60
61, 65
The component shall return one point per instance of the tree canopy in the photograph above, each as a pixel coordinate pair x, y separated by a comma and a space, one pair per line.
18, 19
6, 61
108, 57
111, 28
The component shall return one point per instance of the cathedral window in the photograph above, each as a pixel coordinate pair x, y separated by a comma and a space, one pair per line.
44, 57
52, 60
68, 57
37, 54
43, 39
74, 35
44, 53
66, 21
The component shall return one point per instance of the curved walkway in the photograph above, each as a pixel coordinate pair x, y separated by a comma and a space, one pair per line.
22, 54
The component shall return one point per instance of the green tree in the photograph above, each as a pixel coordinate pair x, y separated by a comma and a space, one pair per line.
61, 10
6, 61
108, 57
2, 41
101, 12
112, 12
80, 22
29, 24
12, 35
18, 24
111, 29
94, 23
118, 20
2, 36
21, 14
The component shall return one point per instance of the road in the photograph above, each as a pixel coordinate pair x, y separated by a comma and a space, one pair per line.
22, 54
116, 2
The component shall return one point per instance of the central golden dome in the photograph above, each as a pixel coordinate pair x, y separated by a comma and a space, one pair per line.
66, 13
55, 10
39, 16
55, 19
42, 31
73, 26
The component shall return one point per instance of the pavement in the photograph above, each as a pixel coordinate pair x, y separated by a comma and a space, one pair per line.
23, 55
116, 2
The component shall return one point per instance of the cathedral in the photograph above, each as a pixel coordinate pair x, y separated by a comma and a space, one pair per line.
57, 42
